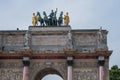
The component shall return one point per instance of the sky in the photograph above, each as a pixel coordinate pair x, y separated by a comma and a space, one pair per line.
84, 14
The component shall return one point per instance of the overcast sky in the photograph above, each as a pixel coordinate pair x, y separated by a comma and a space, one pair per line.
84, 14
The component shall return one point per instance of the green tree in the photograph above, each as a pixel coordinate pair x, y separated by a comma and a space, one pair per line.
114, 73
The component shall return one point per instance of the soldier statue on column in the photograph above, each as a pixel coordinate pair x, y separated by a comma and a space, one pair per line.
27, 36
69, 40
101, 40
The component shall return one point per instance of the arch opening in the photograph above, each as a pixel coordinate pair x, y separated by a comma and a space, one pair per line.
52, 77
48, 74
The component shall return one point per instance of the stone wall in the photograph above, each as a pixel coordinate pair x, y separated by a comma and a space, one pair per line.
38, 65
83, 69
47, 51
11, 70
51, 39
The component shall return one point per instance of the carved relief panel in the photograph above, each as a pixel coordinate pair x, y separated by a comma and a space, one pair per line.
85, 74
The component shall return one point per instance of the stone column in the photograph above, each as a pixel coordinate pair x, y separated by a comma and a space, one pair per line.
26, 63
70, 63
101, 62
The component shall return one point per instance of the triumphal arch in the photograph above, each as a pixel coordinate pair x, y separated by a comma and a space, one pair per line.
80, 54
54, 48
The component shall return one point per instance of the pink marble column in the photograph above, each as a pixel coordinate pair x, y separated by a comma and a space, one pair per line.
26, 64
101, 73
101, 62
70, 63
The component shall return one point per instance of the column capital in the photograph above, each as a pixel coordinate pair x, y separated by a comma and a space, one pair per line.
26, 61
70, 61
69, 58
101, 60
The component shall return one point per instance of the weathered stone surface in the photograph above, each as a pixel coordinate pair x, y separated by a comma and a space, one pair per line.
85, 74
37, 66
49, 40
82, 63
41, 37
10, 74
40, 28
48, 53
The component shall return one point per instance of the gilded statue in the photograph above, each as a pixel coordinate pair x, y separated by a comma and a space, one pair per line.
34, 19
66, 19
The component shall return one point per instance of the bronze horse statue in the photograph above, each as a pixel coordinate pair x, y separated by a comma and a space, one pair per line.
46, 20
40, 19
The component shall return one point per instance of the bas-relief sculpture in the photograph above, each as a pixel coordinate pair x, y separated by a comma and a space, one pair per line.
51, 19
86, 74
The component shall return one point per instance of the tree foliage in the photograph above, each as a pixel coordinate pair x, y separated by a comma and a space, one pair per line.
114, 73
